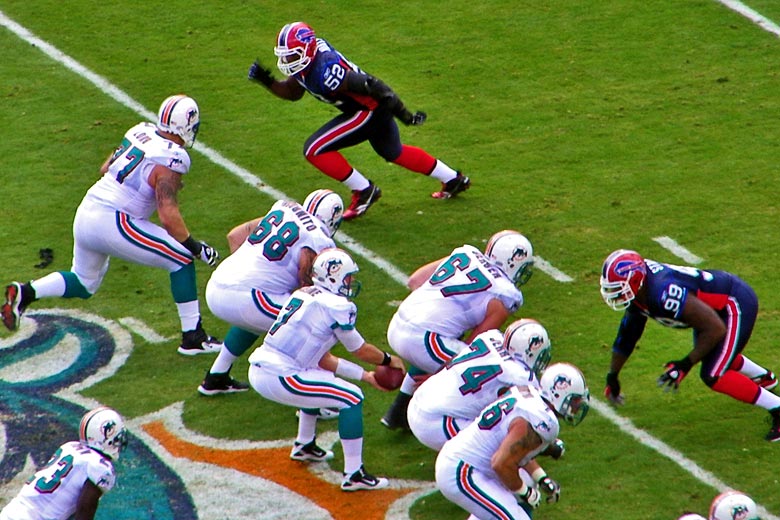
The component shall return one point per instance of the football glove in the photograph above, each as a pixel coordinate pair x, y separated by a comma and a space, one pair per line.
555, 450
260, 74
208, 254
674, 374
550, 488
529, 495
415, 119
612, 390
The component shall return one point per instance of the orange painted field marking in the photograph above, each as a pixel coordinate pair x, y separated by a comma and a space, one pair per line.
274, 464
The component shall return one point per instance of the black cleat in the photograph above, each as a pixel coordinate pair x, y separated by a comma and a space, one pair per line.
214, 384
449, 189
361, 201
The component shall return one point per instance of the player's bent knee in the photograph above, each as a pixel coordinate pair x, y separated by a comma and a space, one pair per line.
710, 381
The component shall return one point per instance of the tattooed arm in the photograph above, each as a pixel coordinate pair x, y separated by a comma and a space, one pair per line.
519, 442
166, 184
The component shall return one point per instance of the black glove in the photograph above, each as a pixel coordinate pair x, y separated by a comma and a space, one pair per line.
550, 488
675, 373
415, 119
555, 450
612, 391
261, 74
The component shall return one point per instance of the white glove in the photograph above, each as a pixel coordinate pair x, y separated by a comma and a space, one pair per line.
208, 254
529, 495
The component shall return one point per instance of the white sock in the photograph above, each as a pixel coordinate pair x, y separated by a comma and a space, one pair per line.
443, 172
189, 315
307, 428
353, 454
356, 181
223, 362
408, 385
767, 400
51, 285
751, 369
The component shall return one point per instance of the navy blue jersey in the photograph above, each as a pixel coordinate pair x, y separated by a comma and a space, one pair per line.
668, 286
324, 76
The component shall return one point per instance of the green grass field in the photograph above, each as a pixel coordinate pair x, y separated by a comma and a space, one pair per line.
587, 126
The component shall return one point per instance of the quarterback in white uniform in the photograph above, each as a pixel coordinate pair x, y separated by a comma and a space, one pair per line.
76, 476
465, 291
271, 257
143, 175
294, 365
479, 468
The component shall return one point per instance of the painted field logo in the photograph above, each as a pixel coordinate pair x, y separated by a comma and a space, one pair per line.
39, 374
167, 472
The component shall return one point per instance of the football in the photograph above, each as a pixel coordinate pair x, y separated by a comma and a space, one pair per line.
389, 377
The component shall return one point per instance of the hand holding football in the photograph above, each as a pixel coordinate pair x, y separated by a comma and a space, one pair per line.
389, 377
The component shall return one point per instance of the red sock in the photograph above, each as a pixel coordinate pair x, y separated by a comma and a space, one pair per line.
737, 363
738, 386
332, 164
416, 160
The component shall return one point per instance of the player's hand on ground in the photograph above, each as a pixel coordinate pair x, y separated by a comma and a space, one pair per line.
674, 374
551, 488
530, 496
612, 390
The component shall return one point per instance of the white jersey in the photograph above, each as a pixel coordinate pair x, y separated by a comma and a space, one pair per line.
268, 259
312, 322
477, 443
472, 379
53, 492
125, 186
455, 298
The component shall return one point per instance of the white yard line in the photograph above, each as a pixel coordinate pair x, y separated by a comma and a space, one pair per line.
677, 250
118, 95
755, 17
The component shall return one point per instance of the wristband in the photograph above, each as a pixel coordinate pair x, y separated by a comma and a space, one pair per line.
192, 245
349, 370
386, 360
538, 474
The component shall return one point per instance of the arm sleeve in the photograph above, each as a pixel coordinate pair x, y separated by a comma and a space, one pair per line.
631, 328
351, 339
377, 89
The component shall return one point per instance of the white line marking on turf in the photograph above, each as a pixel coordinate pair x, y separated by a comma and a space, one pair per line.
395, 273
677, 250
755, 17
213, 155
547, 267
143, 330
641, 436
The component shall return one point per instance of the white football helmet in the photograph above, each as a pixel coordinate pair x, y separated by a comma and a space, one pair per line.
103, 430
563, 386
513, 253
179, 115
333, 271
327, 206
529, 342
733, 505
